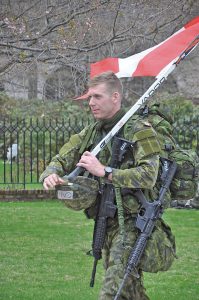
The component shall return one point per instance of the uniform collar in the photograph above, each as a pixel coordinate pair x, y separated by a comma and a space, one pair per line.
107, 124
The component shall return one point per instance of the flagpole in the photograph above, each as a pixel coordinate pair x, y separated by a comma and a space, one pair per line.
160, 79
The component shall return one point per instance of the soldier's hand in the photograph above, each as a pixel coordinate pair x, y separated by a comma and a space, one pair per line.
91, 164
51, 181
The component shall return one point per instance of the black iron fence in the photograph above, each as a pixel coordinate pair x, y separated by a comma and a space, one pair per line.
27, 146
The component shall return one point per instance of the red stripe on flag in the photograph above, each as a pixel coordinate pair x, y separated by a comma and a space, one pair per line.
192, 22
107, 64
156, 60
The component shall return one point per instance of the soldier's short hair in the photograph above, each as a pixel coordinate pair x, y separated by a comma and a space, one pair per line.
110, 79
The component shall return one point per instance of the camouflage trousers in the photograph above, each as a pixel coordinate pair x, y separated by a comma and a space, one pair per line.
158, 256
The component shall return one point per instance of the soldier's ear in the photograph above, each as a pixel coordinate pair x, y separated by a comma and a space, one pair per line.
116, 97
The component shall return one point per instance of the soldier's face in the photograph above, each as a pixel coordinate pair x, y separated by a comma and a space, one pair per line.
103, 104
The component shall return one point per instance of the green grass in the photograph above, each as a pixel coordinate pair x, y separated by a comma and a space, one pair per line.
182, 280
43, 249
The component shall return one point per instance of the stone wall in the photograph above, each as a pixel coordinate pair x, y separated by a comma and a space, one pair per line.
42, 195
26, 195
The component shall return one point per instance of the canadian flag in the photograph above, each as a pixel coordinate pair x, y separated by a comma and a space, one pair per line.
149, 62
152, 61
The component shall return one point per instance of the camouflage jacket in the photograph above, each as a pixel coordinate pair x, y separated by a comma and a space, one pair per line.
139, 168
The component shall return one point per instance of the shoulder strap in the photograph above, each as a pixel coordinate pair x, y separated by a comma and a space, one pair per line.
89, 136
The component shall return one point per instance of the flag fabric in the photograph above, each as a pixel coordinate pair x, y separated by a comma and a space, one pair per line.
152, 61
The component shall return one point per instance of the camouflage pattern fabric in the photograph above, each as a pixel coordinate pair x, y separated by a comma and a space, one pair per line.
79, 194
187, 204
65, 162
138, 170
159, 255
184, 185
67, 158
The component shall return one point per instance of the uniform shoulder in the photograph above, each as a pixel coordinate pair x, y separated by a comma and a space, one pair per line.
137, 124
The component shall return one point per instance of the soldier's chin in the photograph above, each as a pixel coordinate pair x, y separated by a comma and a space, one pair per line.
97, 116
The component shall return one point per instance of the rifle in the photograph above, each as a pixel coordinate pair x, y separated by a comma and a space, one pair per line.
107, 208
148, 214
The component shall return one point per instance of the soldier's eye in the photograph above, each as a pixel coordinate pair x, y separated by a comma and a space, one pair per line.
97, 96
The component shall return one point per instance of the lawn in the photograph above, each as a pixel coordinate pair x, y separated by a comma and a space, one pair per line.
43, 249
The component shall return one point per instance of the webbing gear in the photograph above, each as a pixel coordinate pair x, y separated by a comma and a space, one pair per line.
120, 147
120, 212
89, 136
184, 183
107, 207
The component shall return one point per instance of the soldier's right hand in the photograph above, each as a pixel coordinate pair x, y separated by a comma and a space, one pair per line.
51, 181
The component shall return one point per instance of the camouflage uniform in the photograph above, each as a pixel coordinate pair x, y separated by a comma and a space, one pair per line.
138, 170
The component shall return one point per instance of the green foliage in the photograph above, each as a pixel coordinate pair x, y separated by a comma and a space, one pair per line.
43, 255
36, 122
185, 116
186, 119
36, 108
180, 108
186, 131
42, 127
7, 105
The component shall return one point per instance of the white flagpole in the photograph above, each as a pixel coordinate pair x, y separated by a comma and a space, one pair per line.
162, 76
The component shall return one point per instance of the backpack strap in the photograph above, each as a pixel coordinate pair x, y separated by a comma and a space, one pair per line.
162, 123
89, 136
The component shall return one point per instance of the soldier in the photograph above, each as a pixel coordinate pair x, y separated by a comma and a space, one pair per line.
138, 170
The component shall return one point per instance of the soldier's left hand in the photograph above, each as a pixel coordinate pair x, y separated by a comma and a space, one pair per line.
91, 164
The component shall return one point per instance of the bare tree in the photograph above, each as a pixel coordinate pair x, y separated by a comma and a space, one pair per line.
58, 39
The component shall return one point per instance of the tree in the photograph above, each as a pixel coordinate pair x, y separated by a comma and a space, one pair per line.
41, 40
